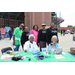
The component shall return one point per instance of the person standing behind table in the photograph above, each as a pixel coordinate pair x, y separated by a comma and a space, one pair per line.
17, 36
34, 31
25, 36
50, 32
42, 37
10, 34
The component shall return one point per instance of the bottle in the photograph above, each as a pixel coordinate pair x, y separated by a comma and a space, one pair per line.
13, 47
19, 50
52, 50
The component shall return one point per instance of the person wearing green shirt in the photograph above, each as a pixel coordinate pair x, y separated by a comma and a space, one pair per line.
17, 36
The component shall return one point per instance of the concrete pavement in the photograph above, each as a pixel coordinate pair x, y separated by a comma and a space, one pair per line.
65, 41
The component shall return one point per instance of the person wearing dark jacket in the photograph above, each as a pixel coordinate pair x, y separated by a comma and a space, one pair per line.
50, 32
25, 36
10, 34
42, 37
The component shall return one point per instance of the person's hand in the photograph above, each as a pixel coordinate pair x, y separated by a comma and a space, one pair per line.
38, 44
25, 50
47, 43
13, 42
23, 44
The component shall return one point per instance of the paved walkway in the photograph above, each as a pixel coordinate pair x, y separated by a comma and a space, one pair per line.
65, 41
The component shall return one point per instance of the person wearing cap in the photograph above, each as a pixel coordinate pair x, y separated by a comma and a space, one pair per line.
25, 36
30, 45
42, 37
17, 36
10, 34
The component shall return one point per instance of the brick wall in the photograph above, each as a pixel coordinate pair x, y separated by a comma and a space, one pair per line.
32, 18
12, 23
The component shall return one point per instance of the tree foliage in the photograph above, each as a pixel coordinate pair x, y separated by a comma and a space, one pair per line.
69, 26
73, 27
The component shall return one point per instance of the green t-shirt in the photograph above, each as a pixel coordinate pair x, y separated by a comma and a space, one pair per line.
18, 34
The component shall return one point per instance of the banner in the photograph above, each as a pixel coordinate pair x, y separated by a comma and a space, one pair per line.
7, 29
2, 30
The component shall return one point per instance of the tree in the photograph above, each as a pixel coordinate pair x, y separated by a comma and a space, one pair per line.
69, 26
73, 27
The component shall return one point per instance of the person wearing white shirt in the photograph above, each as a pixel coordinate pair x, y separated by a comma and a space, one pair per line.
30, 45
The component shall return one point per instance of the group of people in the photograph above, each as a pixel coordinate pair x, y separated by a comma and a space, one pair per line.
35, 38
63, 32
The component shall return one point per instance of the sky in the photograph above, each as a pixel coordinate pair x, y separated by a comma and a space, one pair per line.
69, 18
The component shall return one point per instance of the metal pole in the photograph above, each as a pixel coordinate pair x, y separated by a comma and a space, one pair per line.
23, 20
60, 21
8, 18
56, 28
4, 19
56, 20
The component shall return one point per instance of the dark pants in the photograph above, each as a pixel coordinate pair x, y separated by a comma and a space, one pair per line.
10, 35
17, 47
42, 45
0, 37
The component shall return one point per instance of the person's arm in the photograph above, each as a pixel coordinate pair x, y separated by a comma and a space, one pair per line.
49, 48
47, 36
31, 32
57, 45
58, 48
13, 39
25, 47
36, 47
39, 37
23, 38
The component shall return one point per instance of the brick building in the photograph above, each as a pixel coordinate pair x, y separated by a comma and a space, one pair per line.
32, 18
14, 19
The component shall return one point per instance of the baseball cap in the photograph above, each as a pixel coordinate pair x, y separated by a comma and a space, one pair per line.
22, 25
43, 24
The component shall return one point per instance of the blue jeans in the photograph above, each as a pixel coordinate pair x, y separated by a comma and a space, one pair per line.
10, 36
49, 42
17, 47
